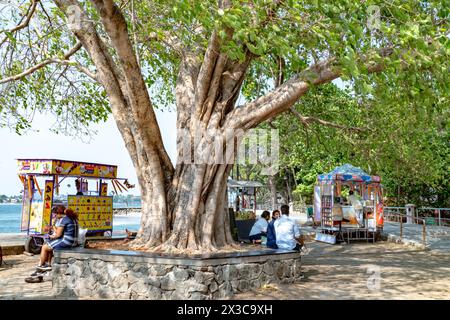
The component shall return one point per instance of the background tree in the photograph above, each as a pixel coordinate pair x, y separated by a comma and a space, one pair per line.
414, 162
130, 57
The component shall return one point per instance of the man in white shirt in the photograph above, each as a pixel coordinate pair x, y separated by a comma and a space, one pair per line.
287, 231
259, 229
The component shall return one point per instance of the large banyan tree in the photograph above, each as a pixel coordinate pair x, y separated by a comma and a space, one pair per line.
223, 65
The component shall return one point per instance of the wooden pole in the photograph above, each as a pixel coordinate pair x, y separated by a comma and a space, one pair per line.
57, 184
37, 185
114, 186
30, 194
118, 186
121, 185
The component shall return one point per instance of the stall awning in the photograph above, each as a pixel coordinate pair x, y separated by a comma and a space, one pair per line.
347, 172
66, 168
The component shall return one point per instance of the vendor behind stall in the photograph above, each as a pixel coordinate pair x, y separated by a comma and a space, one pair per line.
355, 202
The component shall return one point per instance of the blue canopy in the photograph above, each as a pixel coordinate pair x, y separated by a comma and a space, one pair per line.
347, 172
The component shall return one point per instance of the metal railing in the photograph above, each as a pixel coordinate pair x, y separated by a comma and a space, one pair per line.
398, 217
436, 212
433, 217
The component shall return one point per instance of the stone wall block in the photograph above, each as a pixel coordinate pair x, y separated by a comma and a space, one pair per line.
198, 296
168, 282
256, 271
213, 287
141, 268
225, 290
204, 277
130, 278
279, 271
193, 286
180, 274
158, 270
243, 285
230, 272
121, 283
269, 267
255, 284
219, 275
113, 271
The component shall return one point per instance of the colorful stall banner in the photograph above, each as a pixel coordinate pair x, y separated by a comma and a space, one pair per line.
34, 166
94, 213
48, 200
36, 212
104, 189
63, 167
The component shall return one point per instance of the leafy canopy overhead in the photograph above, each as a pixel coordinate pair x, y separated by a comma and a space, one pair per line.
406, 39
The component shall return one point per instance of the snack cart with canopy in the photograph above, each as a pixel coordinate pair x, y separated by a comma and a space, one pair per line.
42, 178
341, 221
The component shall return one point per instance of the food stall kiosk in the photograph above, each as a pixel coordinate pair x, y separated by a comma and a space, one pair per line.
41, 180
242, 205
340, 220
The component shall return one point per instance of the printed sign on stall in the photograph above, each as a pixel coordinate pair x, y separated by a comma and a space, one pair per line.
94, 213
48, 198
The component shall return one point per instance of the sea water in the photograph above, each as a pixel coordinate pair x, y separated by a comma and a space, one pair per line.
11, 215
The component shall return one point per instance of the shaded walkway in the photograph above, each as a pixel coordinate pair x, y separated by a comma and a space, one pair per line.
366, 271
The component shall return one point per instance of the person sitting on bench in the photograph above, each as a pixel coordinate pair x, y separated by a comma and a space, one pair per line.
259, 229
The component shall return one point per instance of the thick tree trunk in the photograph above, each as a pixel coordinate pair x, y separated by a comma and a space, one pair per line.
200, 213
183, 208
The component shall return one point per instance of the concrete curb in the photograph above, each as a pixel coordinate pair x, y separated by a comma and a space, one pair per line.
396, 239
13, 250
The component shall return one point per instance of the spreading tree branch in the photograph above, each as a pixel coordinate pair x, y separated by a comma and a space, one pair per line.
25, 23
283, 97
307, 120
44, 63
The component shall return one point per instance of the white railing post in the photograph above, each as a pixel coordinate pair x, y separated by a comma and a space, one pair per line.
439, 212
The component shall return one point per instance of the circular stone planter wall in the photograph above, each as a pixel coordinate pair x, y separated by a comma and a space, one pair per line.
113, 274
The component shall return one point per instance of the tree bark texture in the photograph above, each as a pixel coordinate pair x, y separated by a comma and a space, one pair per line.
184, 208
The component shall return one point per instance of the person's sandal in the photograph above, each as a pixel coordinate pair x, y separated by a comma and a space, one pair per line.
44, 267
35, 279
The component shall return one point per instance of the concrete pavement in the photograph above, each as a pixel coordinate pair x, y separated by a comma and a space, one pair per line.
437, 238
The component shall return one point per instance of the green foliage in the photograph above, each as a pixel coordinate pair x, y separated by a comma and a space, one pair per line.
405, 144
244, 215
404, 107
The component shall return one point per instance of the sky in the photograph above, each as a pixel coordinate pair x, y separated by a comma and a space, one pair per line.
106, 147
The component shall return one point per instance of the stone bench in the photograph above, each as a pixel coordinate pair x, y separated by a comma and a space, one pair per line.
115, 274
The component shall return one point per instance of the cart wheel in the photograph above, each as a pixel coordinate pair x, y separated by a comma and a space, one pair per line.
34, 245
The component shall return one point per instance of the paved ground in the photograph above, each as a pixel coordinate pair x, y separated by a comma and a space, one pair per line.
12, 279
356, 271
437, 238
365, 271
383, 270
